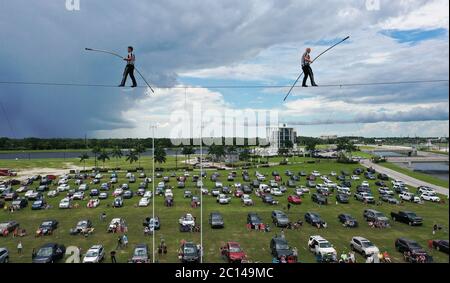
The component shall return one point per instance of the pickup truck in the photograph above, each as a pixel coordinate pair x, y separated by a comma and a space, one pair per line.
407, 217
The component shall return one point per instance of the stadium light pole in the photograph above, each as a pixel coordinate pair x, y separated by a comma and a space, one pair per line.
153, 127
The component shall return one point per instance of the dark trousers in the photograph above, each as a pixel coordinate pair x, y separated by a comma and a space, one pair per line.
129, 70
308, 73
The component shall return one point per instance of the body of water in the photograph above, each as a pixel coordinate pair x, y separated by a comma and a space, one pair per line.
436, 169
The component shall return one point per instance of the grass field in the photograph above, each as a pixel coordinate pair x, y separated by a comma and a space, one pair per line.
420, 176
256, 244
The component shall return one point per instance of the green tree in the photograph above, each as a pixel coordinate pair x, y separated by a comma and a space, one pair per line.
140, 148
132, 156
83, 159
311, 147
117, 154
216, 152
160, 155
103, 156
96, 151
244, 155
188, 151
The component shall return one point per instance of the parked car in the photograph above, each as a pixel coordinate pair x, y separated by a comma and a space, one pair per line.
233, 252
342, 198
407, 217
374, 216
383, 177
118, 202
103, 195
49, 253
363, 246
223, 199
94, 254
48, 226
389, 199
19, 203
141, 254
415, 251
365, 197
319, 199
279, 247
430, 196
39, 205
407, 196
294, 199
246, 200
65, 203
279, 218
253, 219
320, 246
348, 220
4, 255
216, 220
441, 245
314, 219
143, 202
8, 227
189, 253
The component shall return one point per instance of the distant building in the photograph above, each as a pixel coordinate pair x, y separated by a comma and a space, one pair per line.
279, 136
329, 137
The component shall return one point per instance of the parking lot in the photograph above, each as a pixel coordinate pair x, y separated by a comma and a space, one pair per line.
254, 243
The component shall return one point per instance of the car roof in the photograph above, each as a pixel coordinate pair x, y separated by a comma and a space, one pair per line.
360, 238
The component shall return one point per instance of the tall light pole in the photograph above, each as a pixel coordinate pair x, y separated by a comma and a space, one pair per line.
153, 127
201, 191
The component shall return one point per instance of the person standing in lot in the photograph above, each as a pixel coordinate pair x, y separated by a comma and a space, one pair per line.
19, 247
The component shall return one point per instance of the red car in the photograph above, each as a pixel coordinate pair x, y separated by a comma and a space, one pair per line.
233, 252
294, 199
238, 193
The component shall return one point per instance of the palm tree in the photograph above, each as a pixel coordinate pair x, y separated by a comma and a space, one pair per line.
216, 151
103, 156
244, 155
96, 151
83, 159
231, 150
117, 154
132, 156
139, 150
160, 155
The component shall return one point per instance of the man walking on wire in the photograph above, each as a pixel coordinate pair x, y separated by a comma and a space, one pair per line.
129, 68
306, 66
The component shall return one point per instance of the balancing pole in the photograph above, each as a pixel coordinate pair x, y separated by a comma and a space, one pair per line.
296, 81
117, 55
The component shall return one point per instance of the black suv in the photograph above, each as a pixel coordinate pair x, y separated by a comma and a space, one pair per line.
49, 253
279, 247
253, 219
279, 218
320, 199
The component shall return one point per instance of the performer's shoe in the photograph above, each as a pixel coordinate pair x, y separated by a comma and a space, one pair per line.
304, 86
121, 85
314, 85
133, 86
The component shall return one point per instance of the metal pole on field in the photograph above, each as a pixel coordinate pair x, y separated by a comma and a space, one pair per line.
153, 189
201, 191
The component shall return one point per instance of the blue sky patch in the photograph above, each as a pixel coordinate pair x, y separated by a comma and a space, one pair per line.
415, 35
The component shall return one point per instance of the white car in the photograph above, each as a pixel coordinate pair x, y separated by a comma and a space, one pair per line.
143, 202
315, 173
78, 196
407, 196
63, 181
301, 191
128, 175
344, 190
187, 220
29, 193
363, 246
204, 191
355, 177
219, 185
199, 183
116, 223
386, 191
423, 190
365, 184
320, 246
83, 187
223, 199
65, 203
264, 188
246, 200
398, 183
118, 192
95, 254
168, 193
52, 193
430, 196
98, 176
93, 203
334, 174
276, 192
63, 187
148, 194
330, 184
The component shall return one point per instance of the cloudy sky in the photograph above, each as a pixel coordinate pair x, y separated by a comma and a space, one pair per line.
186, 49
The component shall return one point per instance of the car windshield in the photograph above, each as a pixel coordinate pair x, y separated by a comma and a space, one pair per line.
235, 249
92, 253
379, 214
140, 252
366, 244
44, 252
216, 217
189, 250
324, 245
282, 246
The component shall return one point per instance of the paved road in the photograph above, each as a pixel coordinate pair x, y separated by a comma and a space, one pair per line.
405, 178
